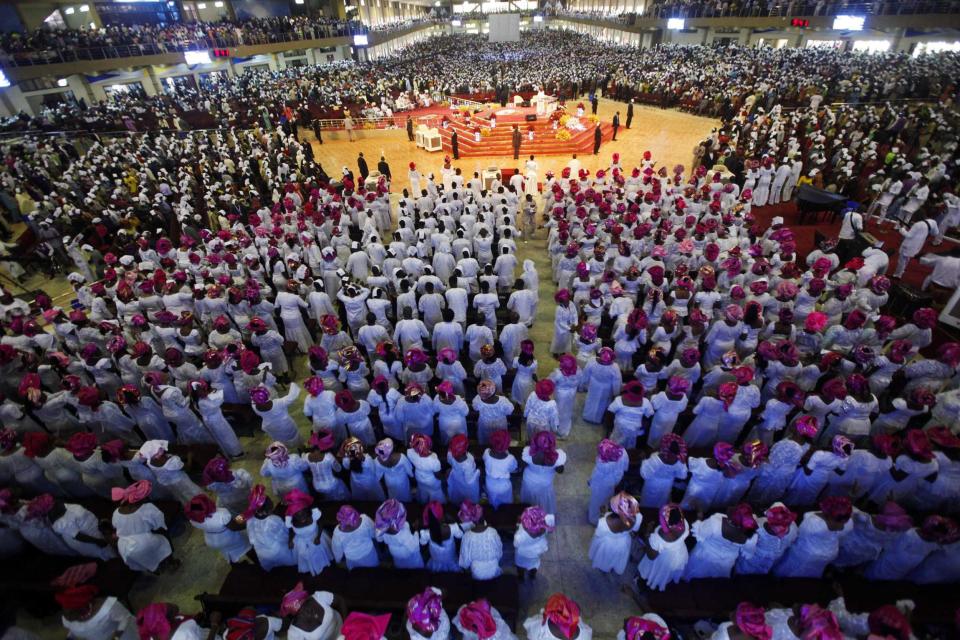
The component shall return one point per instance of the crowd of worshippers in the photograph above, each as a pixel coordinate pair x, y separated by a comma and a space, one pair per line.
322, 615
34, 45
701, 77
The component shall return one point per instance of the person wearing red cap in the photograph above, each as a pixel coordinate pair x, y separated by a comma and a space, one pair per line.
525, 367
661, 469
667, 406
818, 540
270, 344
426, 467
451, 408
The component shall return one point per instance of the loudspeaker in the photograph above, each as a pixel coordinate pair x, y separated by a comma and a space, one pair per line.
531, 117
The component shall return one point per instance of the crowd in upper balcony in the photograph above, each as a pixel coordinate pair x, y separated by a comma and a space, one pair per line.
766, 8
57, 45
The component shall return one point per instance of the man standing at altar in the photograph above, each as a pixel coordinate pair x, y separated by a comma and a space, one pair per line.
597, 138
616, 124
517, 139
594, 102
455, 145
629, 113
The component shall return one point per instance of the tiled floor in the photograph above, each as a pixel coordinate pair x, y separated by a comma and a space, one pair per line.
671, 137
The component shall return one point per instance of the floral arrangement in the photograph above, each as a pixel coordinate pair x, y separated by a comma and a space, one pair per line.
564, 119
485, 131
563, 135
594, 118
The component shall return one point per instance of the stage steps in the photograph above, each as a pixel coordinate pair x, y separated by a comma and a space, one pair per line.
500, 140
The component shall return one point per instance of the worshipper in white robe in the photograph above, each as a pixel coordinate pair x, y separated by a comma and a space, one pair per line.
218, 528
721, 539
136, 524
665, 551
610, 546
818, 540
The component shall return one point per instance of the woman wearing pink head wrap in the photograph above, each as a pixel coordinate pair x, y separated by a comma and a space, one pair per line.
543, 461
855, 416
629, 410
426, 466
135, 523
610, 546
352, 539
285, 469
662, 469
463, 483
395, 469
530, 540
426, 619
219, 533
231, 486
612, 462
321, 408
275, 414
748, 621
323, 466
818, 540
566, 377
493, 409
665, 555
478, 620
452, 411
776, 532
540, 409
722, 336
721, 539
393, 530
481, 548
603, 381
667, 407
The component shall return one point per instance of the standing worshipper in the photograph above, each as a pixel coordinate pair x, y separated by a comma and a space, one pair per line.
136, 525
516, 139
612, 462
311, 544
498, 464
543, 460
530, 540
914, 238
455, 145
352, 539
665, 551
362, 168
616, 124
610, 547
721, 539
597, 139
266, 531
481, 548
220, 532
559, 618
629, 113
818, 540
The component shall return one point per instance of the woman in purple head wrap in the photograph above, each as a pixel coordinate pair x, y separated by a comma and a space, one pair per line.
426, 619
530, 539
612, 462
855, 416
665, 550
603, 381
721, 538
393, 530
284, 469
543, 460
667, 407
352, 539
610, 547
481, 548
662, 469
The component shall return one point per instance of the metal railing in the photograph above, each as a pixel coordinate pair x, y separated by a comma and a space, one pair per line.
53, 56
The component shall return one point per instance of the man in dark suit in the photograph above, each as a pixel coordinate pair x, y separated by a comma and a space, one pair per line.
316, 131
594, 102
384, 168
364, 170
630, 113
616, 124
455, 145
410, 128
597, 138
517, 138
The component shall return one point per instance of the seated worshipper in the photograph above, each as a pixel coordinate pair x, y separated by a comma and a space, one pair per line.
352, 539
310, 543
220, 531
478, 620
463, 482
662, 469
284, 469
324, 467
393, 530
542, 461
721, 539
87, 616
426, 619
266, 531
558, 620
818, 540
665, 550
440, 538
610, 547
530, 540
426, 466
364, 481
312, 616
481, 548
136, 524
275, 414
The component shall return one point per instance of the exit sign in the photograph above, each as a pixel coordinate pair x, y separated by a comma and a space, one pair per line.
800, 22
221, 53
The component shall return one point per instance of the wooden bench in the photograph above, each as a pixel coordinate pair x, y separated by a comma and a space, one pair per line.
373, 590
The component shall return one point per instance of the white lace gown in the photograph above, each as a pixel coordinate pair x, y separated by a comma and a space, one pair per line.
355, 547
609, 550
816, 546
269, 539
670, 563
312, 557
329, 486
404, 547
232, 544
702, 486
443, 556
658, 480
714, 556
397, 478
537, 484
777, 473
287, 477
140, 548
481, 553
497, 483
425, 469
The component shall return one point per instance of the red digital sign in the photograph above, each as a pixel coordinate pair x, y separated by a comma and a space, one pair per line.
800, 22
221, 53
